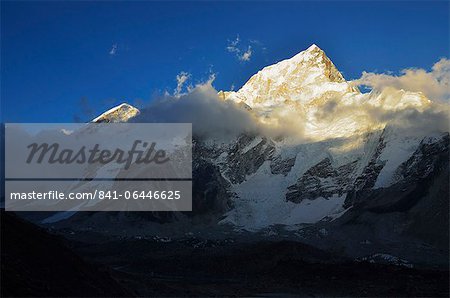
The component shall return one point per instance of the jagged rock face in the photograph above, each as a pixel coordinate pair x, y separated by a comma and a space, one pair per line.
371, 172
368, 177
424, 160
246, 156
211, 196
326, 180
281, 166
322, 180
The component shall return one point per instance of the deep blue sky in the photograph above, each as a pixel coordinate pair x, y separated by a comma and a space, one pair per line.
56, 64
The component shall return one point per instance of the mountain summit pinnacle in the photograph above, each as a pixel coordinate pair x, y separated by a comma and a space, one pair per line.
313, 50
313, 47
120, 113
308, 76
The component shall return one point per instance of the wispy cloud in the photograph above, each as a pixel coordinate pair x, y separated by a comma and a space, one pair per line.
182, 78
113, 50
243, 53
246, 55
233, 45
258, 44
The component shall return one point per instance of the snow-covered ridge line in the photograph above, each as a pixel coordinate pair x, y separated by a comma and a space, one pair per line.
120, 113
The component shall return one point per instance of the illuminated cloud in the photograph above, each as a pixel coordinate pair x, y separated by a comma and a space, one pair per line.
434, 84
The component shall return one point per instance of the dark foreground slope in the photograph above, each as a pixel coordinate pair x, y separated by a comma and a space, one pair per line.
200, 267
35, 263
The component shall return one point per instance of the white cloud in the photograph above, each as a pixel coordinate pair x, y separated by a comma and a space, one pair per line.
113, 50
182, 78
233, 45
241, 52
434, 84
246, 55
210, 116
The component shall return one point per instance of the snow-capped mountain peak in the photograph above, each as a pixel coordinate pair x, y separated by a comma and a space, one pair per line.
120, 113
307, 76
310, 52
317, 58
313, 47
